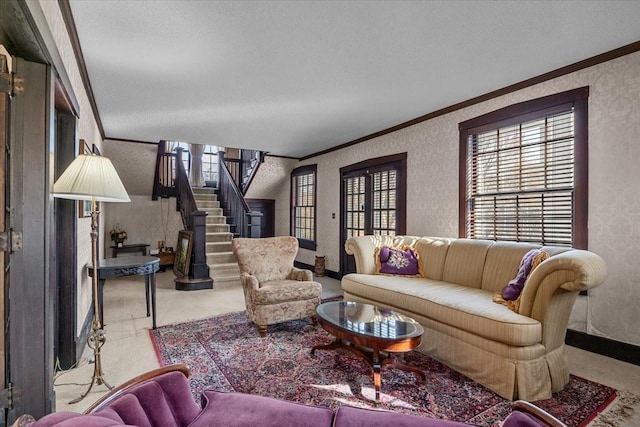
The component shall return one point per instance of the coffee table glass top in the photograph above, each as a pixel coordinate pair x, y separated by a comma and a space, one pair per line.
369, 320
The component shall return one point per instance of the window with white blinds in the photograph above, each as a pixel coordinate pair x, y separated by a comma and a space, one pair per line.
523, 177
303, 206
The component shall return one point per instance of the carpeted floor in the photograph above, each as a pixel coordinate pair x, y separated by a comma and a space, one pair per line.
226, 353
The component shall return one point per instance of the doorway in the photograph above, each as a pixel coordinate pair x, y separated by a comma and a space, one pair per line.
372, 201
267, 208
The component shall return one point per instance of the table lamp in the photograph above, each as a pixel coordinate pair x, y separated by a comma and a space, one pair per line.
92, 177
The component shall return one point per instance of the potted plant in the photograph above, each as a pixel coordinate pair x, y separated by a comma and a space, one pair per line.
118, 235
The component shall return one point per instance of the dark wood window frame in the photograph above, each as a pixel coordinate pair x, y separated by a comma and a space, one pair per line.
577, 99
298, 172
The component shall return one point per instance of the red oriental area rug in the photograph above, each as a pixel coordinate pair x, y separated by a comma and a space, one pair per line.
226, 353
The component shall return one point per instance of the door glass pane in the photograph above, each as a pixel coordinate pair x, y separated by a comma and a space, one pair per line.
384, 202
354, 214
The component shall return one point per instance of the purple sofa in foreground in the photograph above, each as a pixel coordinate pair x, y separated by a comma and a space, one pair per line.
163, 398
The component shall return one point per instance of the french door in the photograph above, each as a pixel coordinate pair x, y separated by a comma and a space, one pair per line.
373, 201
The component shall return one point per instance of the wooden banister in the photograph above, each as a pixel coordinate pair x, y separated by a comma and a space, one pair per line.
164, 179
247, 222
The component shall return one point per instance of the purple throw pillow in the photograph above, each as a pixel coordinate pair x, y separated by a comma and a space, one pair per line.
512, 291
397, 261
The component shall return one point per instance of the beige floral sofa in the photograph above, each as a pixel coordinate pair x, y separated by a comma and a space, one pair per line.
516, 354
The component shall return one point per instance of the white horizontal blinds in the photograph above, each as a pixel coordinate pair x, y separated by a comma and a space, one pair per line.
304, 211
355, 193
520, 183
383, 210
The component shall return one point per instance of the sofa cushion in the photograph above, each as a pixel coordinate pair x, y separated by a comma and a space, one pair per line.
402, 261
462, 307
247, 410
502, 262
164, 400
432, 253
465, 262
348, 416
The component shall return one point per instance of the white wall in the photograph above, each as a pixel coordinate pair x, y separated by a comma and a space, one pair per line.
432, 194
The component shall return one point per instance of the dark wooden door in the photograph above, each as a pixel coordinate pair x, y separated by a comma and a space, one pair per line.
4, 174
29, 282
372, 201
267, 207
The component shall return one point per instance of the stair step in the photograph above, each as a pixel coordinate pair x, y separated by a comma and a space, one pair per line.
204, 190
217, 247
207, 196
216, 219
217, 228
220, 258
222, 236
207, 204
213, 211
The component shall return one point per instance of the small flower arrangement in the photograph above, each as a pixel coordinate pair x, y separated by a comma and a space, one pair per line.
117, 234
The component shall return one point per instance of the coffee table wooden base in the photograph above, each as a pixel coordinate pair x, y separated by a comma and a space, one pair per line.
374, 361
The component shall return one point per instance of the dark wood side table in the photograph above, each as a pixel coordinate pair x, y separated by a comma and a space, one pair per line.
166, 259
129, 266
134, 247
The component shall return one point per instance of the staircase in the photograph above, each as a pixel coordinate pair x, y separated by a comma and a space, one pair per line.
223, 267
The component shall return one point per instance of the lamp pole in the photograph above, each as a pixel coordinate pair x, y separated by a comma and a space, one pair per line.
96, 338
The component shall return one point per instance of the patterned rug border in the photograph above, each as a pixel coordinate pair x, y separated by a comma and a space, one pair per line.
607, 393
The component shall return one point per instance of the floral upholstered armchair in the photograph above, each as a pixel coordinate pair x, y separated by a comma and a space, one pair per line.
274, 290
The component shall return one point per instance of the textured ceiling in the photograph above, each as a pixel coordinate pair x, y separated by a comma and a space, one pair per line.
294, 78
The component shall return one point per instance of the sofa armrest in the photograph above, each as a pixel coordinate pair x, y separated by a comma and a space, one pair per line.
571, 271
124, 388
363, 249
542, 417
300, 275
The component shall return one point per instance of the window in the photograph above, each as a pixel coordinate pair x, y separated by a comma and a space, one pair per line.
210, 163
523, 172
303, 206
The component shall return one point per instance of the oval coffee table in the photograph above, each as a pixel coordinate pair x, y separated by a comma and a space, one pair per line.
366, 330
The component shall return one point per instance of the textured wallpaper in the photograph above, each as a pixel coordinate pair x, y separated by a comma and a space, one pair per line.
128, 157
610, 310
145, 221
87, 129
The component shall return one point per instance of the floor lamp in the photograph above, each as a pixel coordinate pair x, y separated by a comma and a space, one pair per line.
92, 177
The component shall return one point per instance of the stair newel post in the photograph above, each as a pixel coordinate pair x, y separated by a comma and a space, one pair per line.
200, 269
178, 176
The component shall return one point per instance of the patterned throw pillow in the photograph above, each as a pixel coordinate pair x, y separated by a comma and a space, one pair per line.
402, 261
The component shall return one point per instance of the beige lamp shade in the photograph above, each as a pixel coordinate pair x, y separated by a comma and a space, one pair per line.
90, 177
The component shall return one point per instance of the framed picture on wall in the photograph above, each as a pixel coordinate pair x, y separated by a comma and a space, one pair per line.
183, 253
84, 208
